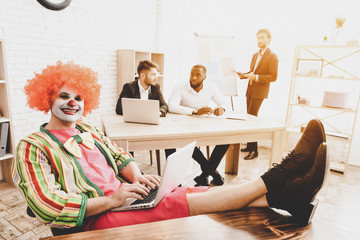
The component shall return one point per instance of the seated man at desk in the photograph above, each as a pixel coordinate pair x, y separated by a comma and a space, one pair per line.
71, 175
145, 87
194, 98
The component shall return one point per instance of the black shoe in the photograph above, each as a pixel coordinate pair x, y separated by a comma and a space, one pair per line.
251, 155
298, 197
245, 149
201, 180
217, 180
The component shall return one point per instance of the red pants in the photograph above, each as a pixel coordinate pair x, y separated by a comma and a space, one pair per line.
173, 205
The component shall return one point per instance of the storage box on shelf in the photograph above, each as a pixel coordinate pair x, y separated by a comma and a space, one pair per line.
6, 132
325, 84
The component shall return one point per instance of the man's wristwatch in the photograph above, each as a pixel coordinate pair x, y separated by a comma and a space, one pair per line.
194, 112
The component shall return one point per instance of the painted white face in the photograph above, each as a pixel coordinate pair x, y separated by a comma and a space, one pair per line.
68, 106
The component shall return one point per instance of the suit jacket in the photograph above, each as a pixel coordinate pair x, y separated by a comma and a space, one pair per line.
267, 70
131, 90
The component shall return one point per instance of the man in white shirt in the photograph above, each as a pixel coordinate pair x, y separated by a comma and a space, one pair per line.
195, 99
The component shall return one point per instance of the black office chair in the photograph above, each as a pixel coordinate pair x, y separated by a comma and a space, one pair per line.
58, 231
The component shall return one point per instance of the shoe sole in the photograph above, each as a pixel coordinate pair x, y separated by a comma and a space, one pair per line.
311, 211
305, 215
313, 205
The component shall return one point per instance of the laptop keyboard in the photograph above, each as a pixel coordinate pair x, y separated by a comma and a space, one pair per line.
149, 198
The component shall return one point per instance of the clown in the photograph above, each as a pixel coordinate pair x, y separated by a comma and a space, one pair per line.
71, 175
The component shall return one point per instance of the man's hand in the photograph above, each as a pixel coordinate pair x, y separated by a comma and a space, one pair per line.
251, 77
219, 111
241, 75
148, 180
204, 110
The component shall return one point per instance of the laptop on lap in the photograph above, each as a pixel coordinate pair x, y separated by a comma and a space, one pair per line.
141, 111
176, 168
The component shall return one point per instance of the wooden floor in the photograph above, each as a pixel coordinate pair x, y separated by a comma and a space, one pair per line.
339, 207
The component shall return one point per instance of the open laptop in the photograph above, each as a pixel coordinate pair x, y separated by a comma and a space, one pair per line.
140, 110
174, 174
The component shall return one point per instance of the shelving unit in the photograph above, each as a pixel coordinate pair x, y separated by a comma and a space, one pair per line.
318, 72
128, 61
5, 112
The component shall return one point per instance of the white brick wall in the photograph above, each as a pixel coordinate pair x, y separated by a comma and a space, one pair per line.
87, 32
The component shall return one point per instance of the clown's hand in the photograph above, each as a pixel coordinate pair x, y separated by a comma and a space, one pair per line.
148, 180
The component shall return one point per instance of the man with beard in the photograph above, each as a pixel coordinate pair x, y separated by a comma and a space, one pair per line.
263, 71
145, 87
194, 98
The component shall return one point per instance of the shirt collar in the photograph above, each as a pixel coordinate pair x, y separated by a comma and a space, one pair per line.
142, 90
262, 52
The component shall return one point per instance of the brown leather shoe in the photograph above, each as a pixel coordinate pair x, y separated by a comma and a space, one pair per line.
312, 137
298, 197
307, 186
299, 161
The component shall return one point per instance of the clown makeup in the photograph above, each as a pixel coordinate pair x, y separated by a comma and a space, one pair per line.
68, 106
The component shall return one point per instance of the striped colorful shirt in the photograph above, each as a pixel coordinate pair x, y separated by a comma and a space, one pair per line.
52, 180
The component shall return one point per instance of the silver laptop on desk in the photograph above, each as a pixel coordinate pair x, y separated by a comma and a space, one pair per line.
174, 174
140, 110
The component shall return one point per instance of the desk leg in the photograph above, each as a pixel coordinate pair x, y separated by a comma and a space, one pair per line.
232, 159
158, 161
277, 147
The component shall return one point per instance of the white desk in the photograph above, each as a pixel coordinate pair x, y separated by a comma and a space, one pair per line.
179, 130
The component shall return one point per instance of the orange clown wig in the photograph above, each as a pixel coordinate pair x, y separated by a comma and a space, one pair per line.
42, 90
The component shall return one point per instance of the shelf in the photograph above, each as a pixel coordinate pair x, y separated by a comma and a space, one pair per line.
338, 71
327, 78
329, 134
323, 107
6, 160
3, 119
329, 46
7, 156
337, 167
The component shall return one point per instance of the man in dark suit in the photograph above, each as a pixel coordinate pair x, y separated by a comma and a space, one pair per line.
263, 70
145, 87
